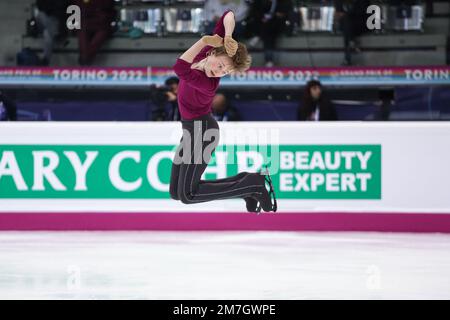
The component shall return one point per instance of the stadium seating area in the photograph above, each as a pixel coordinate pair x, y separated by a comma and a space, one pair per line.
415, 33
420, 43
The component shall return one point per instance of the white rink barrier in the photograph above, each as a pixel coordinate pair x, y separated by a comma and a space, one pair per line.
341, 167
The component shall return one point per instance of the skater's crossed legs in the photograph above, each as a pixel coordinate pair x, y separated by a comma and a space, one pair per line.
192, 158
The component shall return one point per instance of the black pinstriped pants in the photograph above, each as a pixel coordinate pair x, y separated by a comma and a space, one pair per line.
200, 138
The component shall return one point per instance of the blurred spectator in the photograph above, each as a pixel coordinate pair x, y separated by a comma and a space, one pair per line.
405, 3
351, 16
96, 19
163, 96
214, 9
315, 105
267, 21
8, 108
222, 110
386, 101
51, 18
28, 57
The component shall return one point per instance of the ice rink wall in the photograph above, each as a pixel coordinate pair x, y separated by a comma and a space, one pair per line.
348, 176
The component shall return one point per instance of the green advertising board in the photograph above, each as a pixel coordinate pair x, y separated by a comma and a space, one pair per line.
143, 171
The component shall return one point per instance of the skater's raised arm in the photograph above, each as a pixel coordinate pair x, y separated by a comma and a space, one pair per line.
229, 24
213, 41
193, 51
225, 28
214, 56
183, 65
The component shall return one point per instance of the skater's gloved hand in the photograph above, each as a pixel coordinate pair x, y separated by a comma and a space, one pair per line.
231, 45
213, 41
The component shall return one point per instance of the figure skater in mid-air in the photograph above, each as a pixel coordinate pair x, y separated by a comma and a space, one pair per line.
200, 69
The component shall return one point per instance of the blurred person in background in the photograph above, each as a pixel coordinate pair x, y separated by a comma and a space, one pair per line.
222, 110
448, 45
351, 16
96, 19
51, 18
267, 21
387, 100
161, 97
8, 108
315, 104
215, 8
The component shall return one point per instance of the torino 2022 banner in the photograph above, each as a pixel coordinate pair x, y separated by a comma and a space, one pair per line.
279, 77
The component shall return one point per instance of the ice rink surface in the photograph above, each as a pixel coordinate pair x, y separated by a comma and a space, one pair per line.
223, 265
